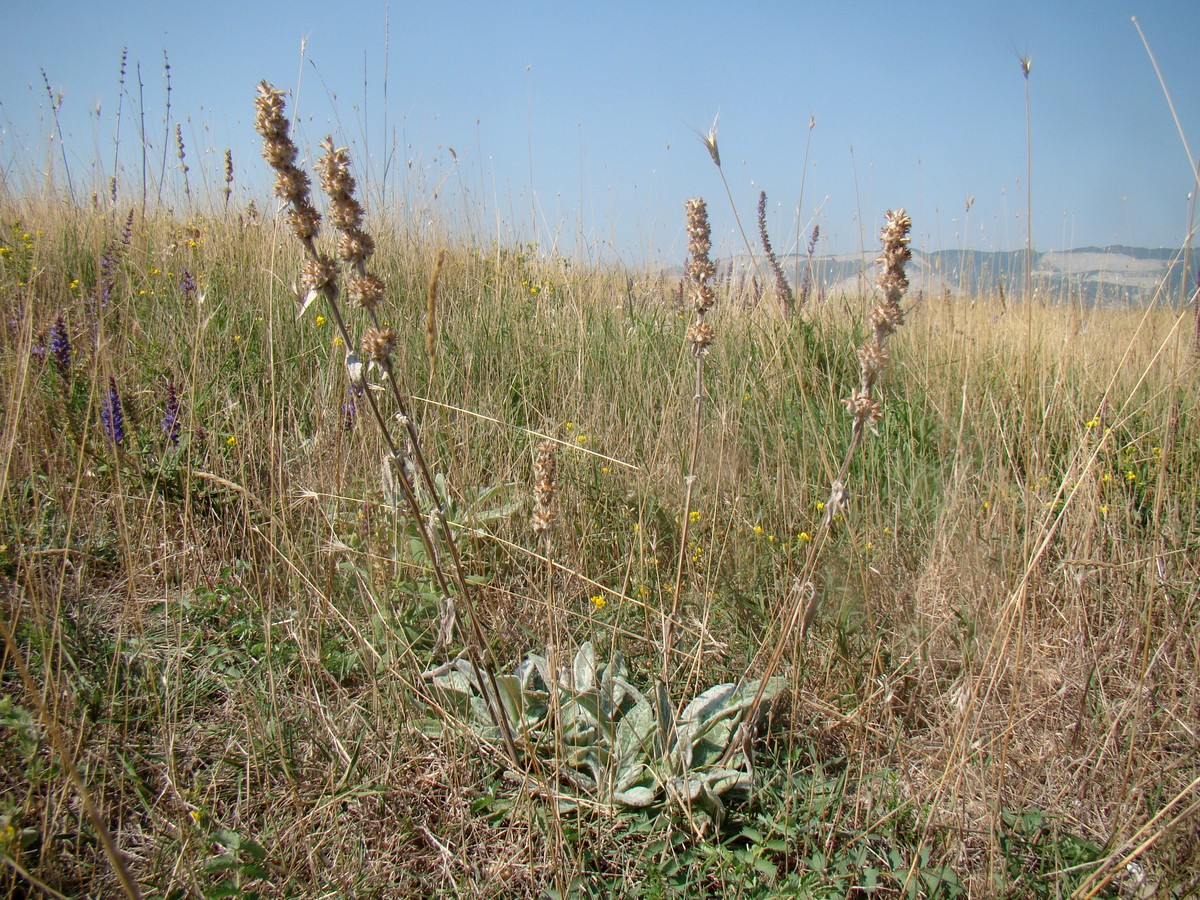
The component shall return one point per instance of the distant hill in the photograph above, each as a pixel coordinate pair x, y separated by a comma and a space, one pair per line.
1092, 275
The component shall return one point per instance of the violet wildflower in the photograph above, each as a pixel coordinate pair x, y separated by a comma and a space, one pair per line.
111, 415
60, 347
187, 284
171, 424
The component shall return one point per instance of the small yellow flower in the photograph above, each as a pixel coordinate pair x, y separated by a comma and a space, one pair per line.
337, 341
1157, 451
758, 529
581, 439
598, 602
230, 441
1131, 476
771, 538
643, 592
694, 516
320, 321
606, 470
804, 537
1106, 478
820, 506
1104, 510
568, 426
1093, 422
155, 270
886, 530
195, 814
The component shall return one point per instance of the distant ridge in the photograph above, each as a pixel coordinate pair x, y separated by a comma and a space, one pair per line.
1112, 275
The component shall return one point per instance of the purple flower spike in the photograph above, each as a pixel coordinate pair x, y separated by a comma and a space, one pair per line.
60, 347
171, 424
187, 284
111, 415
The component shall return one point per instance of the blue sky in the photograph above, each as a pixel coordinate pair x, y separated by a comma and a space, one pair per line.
575, 124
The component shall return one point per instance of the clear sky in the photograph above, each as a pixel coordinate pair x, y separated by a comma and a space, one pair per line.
574, 124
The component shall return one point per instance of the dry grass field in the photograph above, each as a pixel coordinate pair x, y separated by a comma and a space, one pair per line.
956, 624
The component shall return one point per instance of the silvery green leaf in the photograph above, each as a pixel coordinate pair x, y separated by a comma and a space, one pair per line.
533, 673
635, 731
637, 797
630, 695
585, 668
684, 742
456, 687
721, 780
664, 714
467, 668
711, 702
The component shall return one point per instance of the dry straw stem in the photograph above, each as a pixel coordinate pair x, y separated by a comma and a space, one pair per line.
710, 143
699, 337
355, 246
886, 318
431, 298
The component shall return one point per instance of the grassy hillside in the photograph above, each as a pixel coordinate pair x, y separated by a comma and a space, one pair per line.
221, 613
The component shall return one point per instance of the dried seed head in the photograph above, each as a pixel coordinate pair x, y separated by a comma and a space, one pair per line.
873, 357
291, 184
365, 290
304, 220
269, 120
865, 409
545, 485
700, 268
345, 214
378, 344
318, 274
355, 247
700, 335
334, 169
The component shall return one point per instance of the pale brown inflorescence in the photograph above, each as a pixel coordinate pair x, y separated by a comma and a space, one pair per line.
545, 485
291, 184
378, 345
700, 270
886, 317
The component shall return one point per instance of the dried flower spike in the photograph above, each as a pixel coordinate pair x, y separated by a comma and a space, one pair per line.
378, 345
700, 270
545, 485
886, 317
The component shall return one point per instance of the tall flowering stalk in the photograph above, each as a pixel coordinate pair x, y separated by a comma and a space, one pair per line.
60, 347
171, 424
866, 410
699, 337
112, 416
783, 290
807, 281
320, 278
